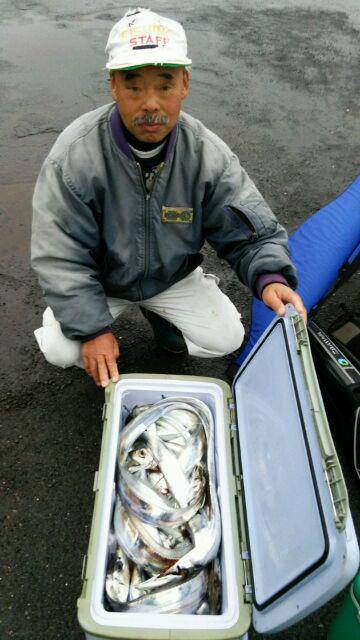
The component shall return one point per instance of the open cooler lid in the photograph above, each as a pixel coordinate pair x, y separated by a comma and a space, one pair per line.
284, 451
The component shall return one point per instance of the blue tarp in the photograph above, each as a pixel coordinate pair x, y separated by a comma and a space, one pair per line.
319, 248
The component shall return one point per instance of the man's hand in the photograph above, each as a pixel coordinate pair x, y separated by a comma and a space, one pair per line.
99, 359
276, 295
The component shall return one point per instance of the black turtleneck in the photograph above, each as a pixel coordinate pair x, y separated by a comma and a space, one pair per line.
140, 144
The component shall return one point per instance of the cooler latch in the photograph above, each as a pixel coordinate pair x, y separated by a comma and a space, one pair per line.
83, 570
248, 591
96, 480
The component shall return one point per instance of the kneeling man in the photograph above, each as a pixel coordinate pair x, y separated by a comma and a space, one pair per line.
124, 203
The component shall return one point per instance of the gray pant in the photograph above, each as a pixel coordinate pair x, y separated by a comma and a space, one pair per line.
208, 320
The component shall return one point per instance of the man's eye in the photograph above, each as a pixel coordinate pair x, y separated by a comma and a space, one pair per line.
166, 87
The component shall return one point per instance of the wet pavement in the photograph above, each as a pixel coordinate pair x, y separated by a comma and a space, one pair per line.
278, 82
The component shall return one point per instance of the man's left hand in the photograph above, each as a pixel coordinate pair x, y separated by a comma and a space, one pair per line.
276, 296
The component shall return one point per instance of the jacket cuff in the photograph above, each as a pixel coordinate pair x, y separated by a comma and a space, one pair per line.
91, 336
268, 278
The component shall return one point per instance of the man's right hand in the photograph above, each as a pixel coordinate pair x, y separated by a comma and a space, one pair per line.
99, 358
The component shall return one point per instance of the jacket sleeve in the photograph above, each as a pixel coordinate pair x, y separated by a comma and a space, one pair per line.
241, 227
64, 244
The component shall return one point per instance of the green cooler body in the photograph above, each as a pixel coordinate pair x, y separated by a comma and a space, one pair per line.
288, 541
346, 625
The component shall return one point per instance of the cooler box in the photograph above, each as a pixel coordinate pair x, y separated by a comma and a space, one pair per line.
288, 541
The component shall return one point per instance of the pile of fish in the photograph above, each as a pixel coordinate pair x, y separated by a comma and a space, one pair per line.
166, 533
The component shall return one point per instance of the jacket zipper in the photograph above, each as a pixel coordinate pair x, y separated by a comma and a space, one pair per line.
147, 222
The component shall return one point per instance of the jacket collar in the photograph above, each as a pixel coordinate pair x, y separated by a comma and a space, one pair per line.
117, 130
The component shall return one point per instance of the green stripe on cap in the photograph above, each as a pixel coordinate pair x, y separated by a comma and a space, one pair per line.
150, 64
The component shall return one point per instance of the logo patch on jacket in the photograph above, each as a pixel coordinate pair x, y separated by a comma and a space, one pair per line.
177, 214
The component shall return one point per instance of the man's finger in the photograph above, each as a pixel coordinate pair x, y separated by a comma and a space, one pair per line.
93, 370
112, 367
273, 301
86, 365
103, 371
116, 350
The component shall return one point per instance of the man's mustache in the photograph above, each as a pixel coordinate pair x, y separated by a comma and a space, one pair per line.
150, 119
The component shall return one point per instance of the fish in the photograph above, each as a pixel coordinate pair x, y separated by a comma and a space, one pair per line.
117, 582
184, 597
205, 526
144, 544
175, 478
142, 458
138, 576
157, 480
167, 517
144, 499
204, 609
214, 587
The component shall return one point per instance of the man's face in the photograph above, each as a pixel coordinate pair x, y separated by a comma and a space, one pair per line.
149, 99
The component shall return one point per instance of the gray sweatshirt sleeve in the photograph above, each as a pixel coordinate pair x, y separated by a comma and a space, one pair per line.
65, 240
243, 230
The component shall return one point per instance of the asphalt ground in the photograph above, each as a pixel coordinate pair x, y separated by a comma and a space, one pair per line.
278, 81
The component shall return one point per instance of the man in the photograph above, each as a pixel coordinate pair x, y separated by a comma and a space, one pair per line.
123, 205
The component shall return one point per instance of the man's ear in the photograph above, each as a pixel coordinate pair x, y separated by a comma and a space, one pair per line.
186, 82
112, 81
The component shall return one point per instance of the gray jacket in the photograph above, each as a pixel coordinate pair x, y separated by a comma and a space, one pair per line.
96, 231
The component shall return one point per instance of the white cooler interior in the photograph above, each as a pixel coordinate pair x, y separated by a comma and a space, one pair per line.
128, 394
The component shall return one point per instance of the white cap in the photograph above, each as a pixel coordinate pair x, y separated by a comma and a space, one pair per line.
143, 38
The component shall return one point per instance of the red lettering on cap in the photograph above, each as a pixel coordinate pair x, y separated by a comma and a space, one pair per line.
149, 40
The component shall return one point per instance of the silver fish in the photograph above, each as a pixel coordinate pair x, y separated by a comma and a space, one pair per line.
167, 520
184, 597
205, 526
214, 587
157, 480
117, 580
137, 578
138, 495
176, 480
152, 549
169, 545
139, 409
129, 539
141, 458
204, 609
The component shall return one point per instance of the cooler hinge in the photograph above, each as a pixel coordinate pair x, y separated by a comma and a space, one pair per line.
338, 494
231, 406
234, 446
248, 591
331, 465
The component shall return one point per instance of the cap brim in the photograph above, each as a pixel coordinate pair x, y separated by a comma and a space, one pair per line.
119, 67
150, 64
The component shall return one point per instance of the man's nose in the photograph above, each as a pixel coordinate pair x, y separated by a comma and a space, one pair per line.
151, 101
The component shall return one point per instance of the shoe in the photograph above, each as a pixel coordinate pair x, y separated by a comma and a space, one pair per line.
166, 334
